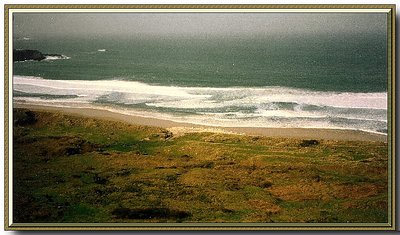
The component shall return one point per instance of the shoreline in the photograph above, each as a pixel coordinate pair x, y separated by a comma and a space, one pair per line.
180, 128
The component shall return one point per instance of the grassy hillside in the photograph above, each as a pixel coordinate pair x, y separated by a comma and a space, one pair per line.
75, 169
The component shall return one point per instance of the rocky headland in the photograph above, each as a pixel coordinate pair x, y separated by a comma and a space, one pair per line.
27, 54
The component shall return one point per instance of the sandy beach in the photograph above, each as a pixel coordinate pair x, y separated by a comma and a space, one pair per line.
179, 128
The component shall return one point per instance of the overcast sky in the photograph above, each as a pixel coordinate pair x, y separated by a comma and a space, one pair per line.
38, 25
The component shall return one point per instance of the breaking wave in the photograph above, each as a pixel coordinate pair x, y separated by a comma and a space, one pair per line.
233, 106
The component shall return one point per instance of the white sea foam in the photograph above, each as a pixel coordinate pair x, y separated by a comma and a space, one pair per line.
97, 87
56, 57
237, 106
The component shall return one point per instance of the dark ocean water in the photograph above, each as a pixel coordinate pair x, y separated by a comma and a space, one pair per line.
326, 81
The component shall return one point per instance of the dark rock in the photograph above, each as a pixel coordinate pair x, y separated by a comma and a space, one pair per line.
266, 184
308, 143
185, 156
72, 150
22, 55
226, 210
99, 180
167, 134
317, 178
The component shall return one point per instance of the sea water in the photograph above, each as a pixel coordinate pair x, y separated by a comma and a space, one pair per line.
323, 81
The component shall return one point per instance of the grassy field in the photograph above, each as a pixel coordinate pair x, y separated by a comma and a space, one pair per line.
75, 169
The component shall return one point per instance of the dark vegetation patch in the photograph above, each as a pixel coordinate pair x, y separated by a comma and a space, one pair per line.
24, 117
149, 213
99, 180
186, 157
309, 143
54, 146
124, 172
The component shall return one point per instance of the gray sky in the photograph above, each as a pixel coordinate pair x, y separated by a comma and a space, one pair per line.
40, 25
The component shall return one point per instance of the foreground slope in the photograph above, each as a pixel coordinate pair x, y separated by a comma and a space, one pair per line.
76, 169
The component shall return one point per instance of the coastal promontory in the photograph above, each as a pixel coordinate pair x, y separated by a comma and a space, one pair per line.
22, 55
28, 54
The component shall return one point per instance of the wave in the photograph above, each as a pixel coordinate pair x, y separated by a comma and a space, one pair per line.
56, 57
233, 106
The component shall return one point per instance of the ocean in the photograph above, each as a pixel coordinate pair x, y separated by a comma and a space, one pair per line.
301, 81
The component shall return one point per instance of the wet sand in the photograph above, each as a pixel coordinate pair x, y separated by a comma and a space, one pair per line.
179, 128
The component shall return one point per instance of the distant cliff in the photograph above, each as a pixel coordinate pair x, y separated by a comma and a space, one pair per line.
23, 55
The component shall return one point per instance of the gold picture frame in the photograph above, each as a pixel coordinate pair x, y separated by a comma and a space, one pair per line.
8, 126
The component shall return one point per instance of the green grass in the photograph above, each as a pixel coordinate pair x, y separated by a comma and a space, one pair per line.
74, 169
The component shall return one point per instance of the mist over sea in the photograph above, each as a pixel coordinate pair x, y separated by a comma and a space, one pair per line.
307, 81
